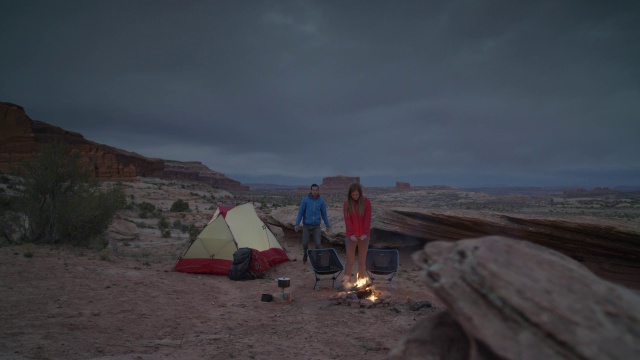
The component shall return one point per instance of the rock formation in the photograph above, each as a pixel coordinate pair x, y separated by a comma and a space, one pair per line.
123, 230
402, 185
196, 171
338, 183
512, 299
611, 251
21, 137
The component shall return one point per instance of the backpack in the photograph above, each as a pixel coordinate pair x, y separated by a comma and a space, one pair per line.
241, 267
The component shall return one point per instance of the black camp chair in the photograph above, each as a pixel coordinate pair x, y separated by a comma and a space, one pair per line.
325, 262
383, 262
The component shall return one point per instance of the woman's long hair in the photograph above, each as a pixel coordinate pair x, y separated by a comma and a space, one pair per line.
350, 202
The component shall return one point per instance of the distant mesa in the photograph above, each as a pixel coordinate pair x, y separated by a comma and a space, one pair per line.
339, 183
20, 138
582, 191
402, 185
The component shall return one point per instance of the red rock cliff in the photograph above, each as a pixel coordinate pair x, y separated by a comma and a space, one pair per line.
20, 138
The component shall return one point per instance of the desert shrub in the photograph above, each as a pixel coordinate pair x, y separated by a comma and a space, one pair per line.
61, 202
11, 228
10, 222
148, 210
193, 231
105, 254
163, 223
148, 207
179, 206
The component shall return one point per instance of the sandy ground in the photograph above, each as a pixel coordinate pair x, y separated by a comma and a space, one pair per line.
71, 304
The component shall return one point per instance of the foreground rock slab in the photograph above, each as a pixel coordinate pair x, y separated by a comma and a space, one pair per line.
511, 299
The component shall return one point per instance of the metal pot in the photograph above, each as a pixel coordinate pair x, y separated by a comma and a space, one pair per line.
284, 282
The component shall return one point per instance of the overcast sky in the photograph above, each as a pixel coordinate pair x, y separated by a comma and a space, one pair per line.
456, 92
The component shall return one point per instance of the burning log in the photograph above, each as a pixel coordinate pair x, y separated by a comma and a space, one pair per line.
362, 294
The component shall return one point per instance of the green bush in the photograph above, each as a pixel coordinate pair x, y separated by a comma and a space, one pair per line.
10, 220
163, 223
61, 202
179, 206
148, 211
193, 231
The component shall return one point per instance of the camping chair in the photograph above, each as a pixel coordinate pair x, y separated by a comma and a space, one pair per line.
325, 262
383, 262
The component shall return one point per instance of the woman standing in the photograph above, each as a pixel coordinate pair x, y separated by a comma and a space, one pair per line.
357, 220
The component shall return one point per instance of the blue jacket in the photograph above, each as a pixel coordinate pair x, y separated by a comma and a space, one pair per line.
312, 210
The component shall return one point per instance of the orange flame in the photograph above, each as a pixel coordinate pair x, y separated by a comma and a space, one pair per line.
361, 282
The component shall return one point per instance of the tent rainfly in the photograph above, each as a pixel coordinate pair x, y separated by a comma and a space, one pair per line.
230, 228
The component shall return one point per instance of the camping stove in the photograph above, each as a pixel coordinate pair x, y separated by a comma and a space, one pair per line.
284, 283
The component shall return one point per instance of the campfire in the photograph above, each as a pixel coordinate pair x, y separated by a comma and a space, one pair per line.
362, 293
364, 289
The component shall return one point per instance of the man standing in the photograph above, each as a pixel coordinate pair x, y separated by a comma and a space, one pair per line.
312, 210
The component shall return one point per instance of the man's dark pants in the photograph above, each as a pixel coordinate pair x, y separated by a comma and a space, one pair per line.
307, 232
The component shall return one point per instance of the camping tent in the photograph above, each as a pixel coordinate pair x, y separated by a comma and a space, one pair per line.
231, 228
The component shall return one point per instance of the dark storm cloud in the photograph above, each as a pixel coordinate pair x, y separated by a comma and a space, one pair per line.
431, 91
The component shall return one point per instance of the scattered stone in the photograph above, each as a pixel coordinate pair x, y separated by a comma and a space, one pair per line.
420, 304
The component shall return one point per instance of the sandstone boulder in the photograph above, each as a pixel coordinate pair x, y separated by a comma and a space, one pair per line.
276, 231
517, 300
611, 251
123, 230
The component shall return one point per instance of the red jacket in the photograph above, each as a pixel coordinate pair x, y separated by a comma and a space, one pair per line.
355, 224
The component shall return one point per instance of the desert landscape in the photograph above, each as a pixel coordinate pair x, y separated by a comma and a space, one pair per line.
145, 146
124, 302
